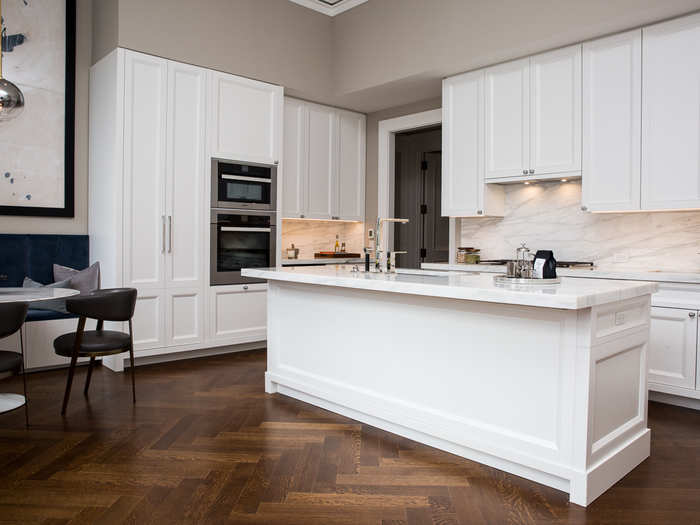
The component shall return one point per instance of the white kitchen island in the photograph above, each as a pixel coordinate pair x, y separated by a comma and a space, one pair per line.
548, 383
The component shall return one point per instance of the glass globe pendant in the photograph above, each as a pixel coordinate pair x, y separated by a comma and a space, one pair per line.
11, 97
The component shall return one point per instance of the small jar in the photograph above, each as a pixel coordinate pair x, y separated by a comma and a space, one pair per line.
468, 255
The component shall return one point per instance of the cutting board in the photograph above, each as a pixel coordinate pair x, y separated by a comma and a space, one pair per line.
338, 255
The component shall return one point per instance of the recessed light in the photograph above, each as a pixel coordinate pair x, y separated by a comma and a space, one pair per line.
564, 180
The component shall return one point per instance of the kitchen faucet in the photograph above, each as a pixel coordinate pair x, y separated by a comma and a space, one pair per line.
377, 240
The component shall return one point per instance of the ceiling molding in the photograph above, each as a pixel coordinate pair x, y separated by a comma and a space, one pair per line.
329, 7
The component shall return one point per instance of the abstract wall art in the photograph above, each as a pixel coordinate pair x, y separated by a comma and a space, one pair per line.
37, 147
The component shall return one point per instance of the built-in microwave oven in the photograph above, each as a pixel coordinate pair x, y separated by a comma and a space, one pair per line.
241, 239
243, 185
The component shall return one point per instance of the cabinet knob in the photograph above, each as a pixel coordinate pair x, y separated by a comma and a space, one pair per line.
691, 315
277, 162
524, 172
479, 212
245, 286
584, 208
301, 216
532, 171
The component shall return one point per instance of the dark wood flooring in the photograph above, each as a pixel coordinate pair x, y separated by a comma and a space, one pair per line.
205, 444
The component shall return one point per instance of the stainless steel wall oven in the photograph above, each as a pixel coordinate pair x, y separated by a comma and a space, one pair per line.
240, 185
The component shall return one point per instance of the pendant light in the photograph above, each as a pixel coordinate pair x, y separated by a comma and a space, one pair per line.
11, 98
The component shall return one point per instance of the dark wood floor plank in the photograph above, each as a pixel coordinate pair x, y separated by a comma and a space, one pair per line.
205, 444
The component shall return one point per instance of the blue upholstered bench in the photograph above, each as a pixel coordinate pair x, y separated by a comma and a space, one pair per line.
33, 256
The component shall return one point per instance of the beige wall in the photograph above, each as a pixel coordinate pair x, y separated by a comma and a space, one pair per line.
276, 41
401, 47
105, 21
371, 184
77, 224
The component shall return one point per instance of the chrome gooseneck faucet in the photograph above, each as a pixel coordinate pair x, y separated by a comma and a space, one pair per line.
378, 262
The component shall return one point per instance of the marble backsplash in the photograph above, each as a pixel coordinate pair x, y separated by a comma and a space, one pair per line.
548, 216
312, 236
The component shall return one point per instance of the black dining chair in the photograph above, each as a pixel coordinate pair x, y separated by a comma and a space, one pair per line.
112, 304
12, 317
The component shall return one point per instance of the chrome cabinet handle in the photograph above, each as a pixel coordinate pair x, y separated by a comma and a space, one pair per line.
584, 208
524, 172
301, 216
244, 229
691, 315
277, 162
170, 233
532, 171
162, 247
244, 178
245, 286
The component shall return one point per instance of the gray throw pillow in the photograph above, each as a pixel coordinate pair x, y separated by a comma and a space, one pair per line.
57, 305
85, 280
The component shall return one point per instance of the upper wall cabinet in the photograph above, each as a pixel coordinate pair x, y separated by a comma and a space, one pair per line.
246, 119
671, 115
612, 91
464, 193
324, 175
533, 117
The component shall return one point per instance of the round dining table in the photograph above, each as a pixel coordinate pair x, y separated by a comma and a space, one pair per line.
10, 402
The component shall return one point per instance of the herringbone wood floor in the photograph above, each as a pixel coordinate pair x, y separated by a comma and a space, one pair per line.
205, 444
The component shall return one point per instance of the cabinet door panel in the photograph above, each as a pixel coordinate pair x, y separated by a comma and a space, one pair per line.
238, 314
186, 173
144, 170
184, 316
462, 144
672, 347
671, 115
507, 119
555, 111
247, 116
612, 90
322, 161
295, 158
149, 320
351, 166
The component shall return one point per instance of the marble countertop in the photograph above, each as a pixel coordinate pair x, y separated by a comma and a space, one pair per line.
638, 275
570, 294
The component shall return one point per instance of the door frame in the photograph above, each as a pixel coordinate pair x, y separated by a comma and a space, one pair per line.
386, 170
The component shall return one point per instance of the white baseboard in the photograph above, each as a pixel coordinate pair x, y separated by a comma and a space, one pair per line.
671, 399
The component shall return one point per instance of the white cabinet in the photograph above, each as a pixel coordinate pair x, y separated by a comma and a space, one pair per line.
612, 90
350, 181
671, 115
673, 347
508, 119
533, 116
324, 173
295, 158
464, 192
246, 119
238, 313
322, 140
555, 112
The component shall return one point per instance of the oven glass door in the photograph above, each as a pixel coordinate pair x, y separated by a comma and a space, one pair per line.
241, 241
243, 189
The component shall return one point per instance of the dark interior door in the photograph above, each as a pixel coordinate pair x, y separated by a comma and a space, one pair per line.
417, 185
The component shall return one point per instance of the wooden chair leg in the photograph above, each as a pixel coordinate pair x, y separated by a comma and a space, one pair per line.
133, 374
24, 378
71, 371
73, 361
89, 375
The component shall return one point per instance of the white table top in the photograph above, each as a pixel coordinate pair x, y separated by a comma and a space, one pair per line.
30, 295
570, 294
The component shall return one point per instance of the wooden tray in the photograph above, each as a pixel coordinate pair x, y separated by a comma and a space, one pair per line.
338, 255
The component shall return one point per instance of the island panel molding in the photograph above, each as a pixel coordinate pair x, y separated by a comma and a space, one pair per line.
538, 407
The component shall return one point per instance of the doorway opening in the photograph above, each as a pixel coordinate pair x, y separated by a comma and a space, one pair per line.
417, 196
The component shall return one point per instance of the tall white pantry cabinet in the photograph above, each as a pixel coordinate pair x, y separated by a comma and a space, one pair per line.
150, 140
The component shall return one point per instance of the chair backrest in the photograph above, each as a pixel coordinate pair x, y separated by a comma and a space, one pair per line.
11, 317
111, 304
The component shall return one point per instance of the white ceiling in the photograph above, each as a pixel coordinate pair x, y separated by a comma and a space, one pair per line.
329, 7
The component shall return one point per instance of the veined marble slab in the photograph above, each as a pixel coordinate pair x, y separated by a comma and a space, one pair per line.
570, 294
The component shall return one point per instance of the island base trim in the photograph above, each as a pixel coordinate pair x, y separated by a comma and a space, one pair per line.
583, 487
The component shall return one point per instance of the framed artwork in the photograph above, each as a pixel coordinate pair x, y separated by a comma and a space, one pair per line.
37, 147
